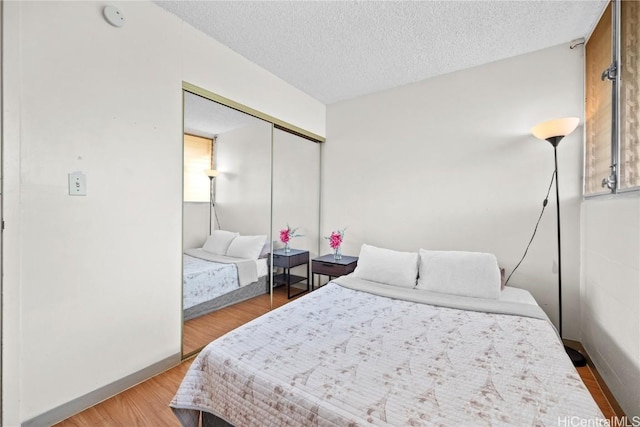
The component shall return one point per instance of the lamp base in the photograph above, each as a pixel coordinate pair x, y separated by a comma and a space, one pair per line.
576, 357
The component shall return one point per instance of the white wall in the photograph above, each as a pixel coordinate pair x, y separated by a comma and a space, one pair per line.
195, 224
243, 184
92, 284
611, 293
449, 163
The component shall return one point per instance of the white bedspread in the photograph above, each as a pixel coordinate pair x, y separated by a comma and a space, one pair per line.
343, 357
205, 280
247, 269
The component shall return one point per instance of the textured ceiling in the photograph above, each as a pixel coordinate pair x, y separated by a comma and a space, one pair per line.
342, 49
206, 118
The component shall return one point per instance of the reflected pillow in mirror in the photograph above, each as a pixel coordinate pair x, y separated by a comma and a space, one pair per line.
248, 247
266, 250
219, 242
387, 266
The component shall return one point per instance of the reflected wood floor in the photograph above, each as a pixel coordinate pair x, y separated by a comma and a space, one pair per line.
147, 403
198, 332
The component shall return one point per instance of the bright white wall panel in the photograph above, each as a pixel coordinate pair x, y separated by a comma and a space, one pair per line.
611, 294
93, 297
449, 163
94, 282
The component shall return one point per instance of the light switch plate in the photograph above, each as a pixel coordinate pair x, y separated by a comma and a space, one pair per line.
77, 184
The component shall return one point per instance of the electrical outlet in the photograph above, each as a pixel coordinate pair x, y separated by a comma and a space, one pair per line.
77, 184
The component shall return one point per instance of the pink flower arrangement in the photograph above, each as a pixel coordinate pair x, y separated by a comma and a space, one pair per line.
335, 239
286, 234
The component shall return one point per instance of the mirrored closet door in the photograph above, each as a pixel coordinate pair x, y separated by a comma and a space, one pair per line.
247, 176
226, 217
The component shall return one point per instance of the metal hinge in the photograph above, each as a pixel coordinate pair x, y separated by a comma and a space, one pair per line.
611, 72
610, 181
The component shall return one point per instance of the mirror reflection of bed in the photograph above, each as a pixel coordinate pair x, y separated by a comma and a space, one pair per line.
226, 217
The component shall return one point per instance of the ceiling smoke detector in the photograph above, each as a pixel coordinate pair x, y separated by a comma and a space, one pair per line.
114, 16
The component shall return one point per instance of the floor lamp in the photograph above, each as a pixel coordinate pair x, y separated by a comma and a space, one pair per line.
211, 173
553, 131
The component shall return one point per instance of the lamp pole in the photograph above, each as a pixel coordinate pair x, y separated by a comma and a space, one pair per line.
553, 131
576, 357
210, 200
554, 141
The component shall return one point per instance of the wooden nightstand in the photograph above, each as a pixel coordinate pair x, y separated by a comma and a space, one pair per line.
329, 266
288, 260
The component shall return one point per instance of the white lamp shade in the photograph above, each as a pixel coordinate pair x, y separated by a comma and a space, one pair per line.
211, 173
557, 127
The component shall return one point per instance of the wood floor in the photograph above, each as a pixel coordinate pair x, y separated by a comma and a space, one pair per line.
594, 388
147, 403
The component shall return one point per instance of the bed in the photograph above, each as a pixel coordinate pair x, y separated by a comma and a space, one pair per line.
210, 285
228, 269
359, 352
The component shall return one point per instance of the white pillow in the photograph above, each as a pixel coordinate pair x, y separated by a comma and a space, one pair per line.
387, 266
248, 247
266, 250
219, 242
471, 274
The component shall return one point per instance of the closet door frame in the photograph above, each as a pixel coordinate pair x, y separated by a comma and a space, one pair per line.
279, 124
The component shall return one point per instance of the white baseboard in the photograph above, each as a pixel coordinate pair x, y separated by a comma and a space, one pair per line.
75, 406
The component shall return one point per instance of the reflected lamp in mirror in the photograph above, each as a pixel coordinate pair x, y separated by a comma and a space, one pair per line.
554, 130
211, 173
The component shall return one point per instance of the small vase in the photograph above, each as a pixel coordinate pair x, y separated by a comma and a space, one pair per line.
287, 248
337, 253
